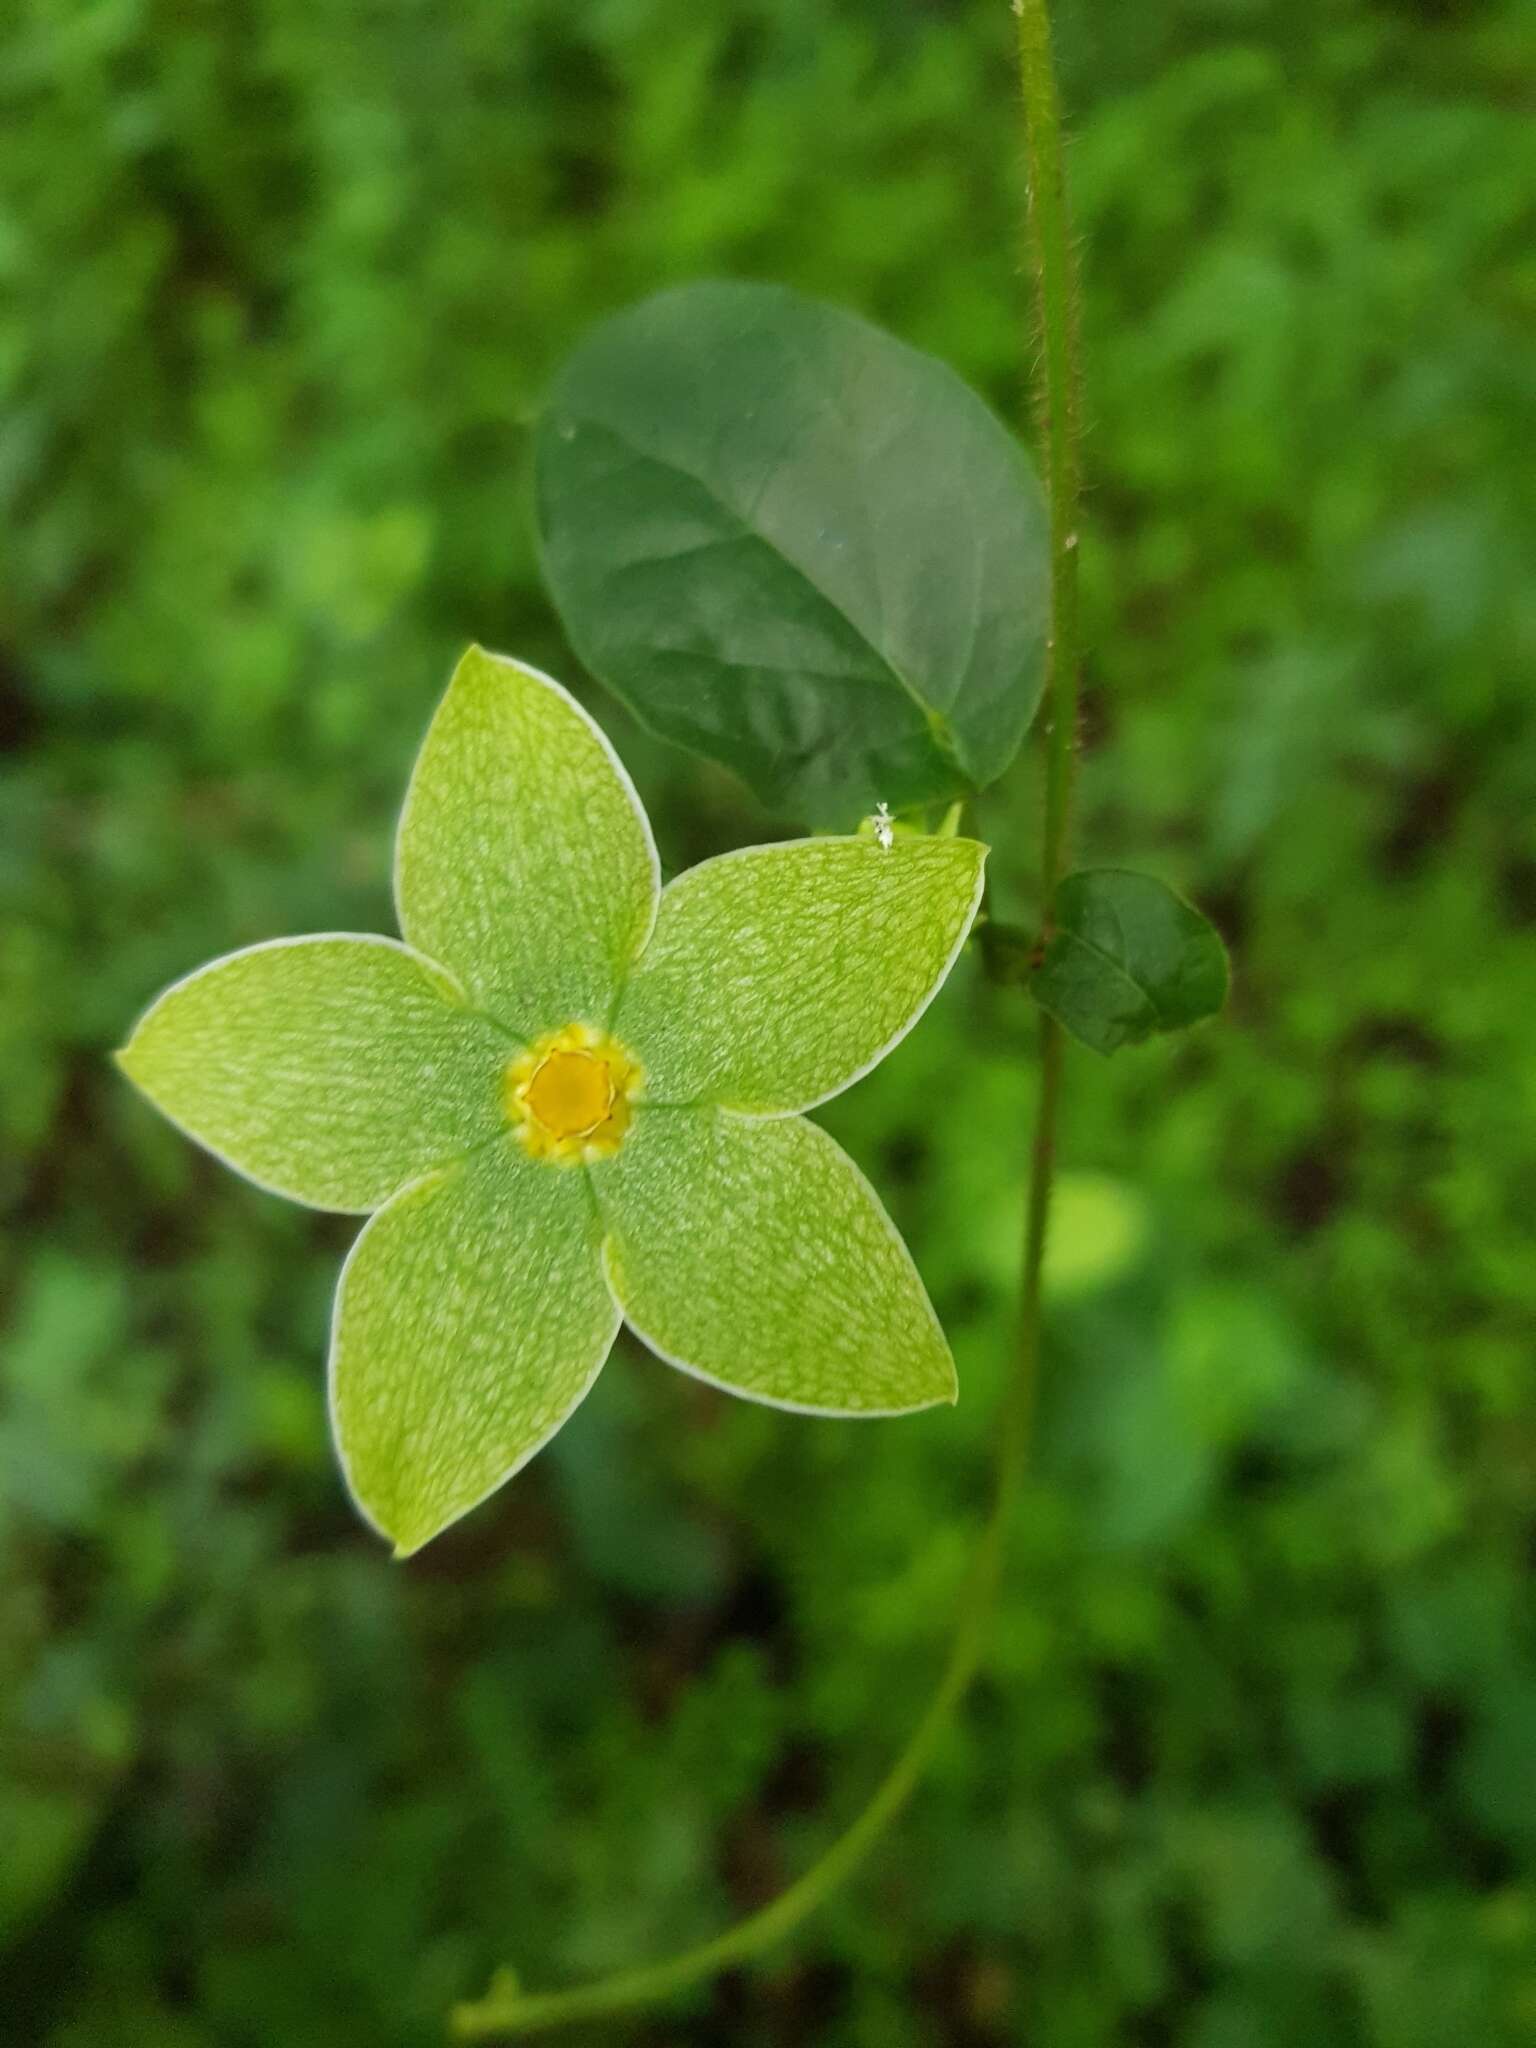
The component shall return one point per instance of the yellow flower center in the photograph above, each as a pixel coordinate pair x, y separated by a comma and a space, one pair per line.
570, 1095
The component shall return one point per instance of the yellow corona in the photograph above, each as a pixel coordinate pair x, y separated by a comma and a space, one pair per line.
571, 1095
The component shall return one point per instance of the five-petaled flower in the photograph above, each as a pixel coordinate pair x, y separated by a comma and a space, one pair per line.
573, 1098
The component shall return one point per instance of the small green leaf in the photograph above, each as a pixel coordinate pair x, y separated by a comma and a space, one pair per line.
524, 860
778, 974
329, 1069
797, 546
470, 1320
754, 1254
1128, 958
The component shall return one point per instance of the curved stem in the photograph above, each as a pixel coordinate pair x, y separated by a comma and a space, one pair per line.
506, 2010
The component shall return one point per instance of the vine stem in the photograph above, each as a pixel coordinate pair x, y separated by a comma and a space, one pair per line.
507, 2010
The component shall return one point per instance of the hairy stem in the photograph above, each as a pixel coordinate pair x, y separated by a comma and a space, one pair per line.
1058, 409
506, 2010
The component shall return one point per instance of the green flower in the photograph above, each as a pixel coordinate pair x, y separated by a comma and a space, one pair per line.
571, 1099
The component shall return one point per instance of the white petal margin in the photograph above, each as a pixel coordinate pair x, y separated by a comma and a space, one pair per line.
471, 1319
753, 1254
524, 859
777, 976
330, 1069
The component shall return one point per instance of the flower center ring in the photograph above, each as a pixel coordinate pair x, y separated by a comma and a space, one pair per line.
570, 1096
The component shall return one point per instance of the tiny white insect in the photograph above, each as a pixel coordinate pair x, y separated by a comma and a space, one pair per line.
884, 825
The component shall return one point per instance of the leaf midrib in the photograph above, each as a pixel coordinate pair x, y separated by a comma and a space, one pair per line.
1118, 968
936, 724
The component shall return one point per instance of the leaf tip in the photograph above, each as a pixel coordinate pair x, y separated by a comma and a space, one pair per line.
406, 1540
943, 1382
128, 1059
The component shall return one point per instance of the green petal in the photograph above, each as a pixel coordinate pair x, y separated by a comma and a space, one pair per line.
470, 1320
331, 1069
779, 974
524, 861
757, 1256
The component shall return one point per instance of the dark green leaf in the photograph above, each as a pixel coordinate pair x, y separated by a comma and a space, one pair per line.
797, 546
1128, 958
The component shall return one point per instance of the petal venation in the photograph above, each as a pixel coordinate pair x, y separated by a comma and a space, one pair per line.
524, 860
777, 975
330, 1069
754, 1254
471, 1319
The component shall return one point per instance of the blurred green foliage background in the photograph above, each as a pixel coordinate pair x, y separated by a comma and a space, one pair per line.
1254, 1761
